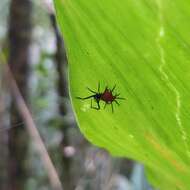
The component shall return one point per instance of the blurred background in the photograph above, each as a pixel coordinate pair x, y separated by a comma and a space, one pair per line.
32, 47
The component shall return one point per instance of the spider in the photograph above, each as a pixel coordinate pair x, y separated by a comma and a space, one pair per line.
107, 96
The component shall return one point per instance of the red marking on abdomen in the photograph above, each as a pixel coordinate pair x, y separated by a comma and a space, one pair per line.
107, 97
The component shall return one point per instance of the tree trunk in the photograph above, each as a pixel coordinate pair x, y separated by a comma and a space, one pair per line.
3, 142
19, 42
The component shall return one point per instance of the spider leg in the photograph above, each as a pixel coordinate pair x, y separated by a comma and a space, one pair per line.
120, 98
116, 102
85, 97
117, 97
112, 107
105, 105
113, 88
99, 87
91, 90
93, 107
106, 88
98, 102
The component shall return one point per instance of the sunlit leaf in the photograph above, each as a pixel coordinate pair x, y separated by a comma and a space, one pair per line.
143, 47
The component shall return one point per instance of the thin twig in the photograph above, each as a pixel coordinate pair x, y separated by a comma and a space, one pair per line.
32, 130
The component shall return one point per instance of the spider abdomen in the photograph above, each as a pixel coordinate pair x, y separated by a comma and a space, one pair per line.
107, 96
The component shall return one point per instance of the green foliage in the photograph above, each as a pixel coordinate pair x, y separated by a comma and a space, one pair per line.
142, 47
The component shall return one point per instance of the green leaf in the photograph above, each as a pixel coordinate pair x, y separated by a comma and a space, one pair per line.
142, 47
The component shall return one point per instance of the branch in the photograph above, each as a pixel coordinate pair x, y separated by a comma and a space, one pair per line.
32, 130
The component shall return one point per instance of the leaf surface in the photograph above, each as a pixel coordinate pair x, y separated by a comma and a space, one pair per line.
144, 48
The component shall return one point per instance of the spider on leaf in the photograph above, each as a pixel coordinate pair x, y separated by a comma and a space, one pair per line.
106, 96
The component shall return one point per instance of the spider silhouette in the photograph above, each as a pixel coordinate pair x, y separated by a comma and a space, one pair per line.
106, 96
